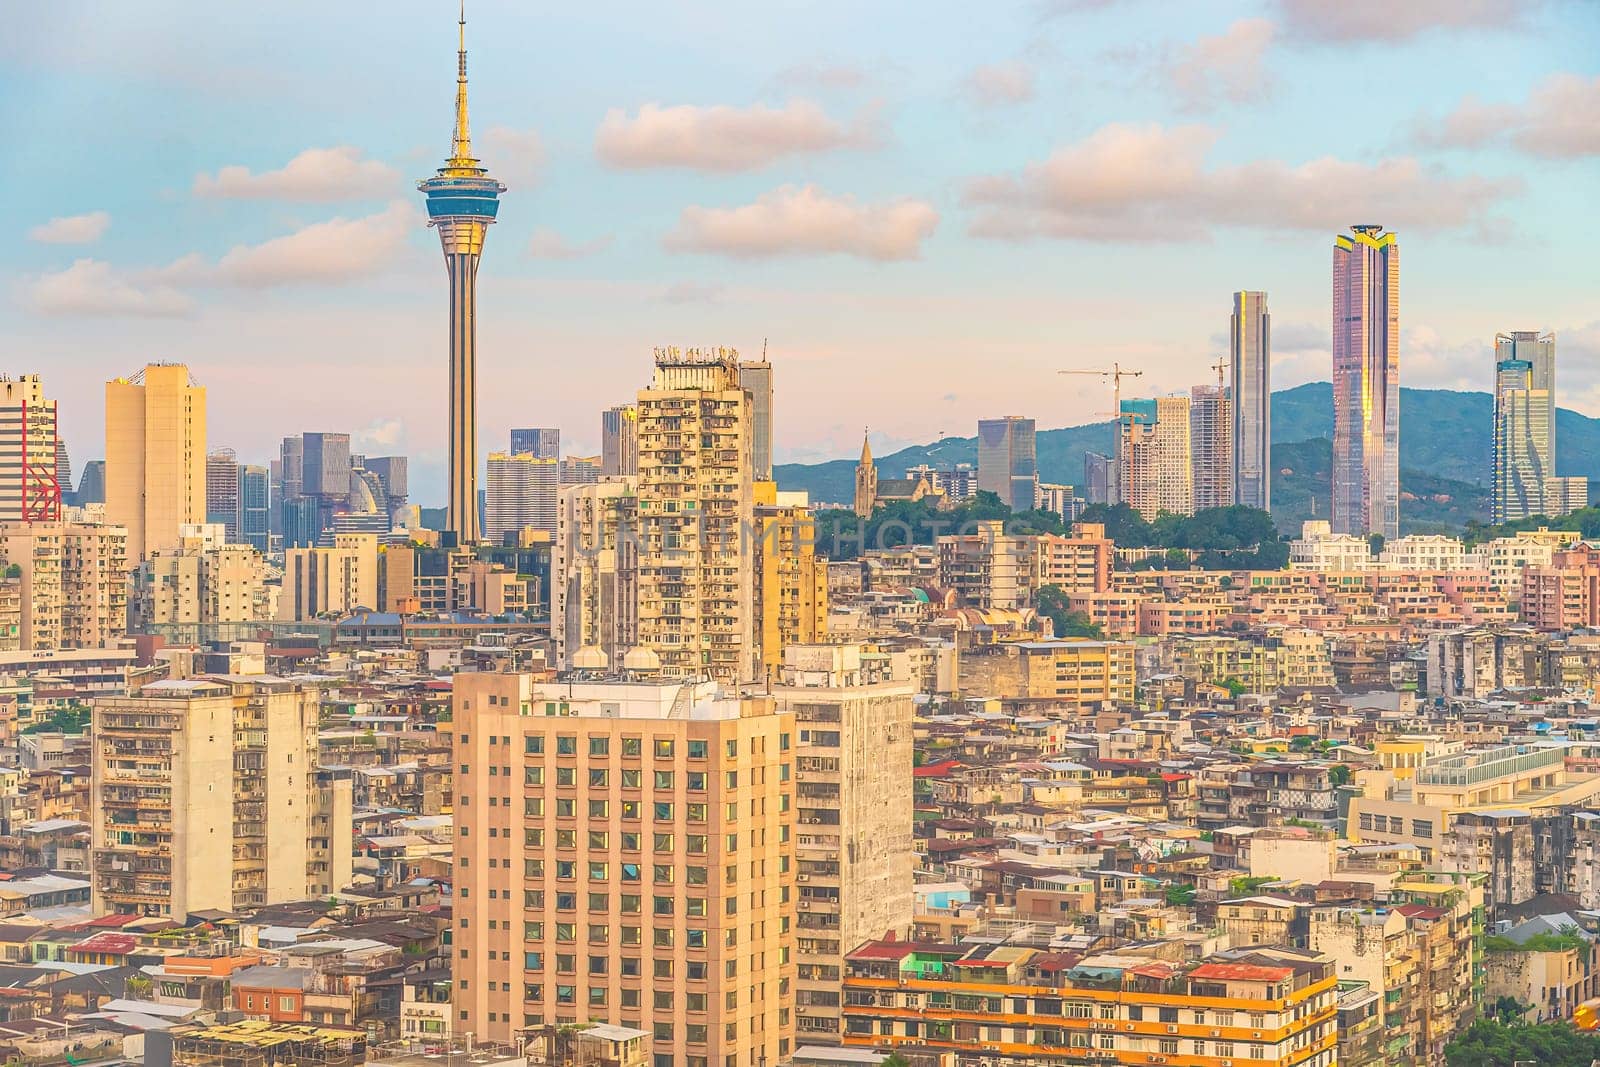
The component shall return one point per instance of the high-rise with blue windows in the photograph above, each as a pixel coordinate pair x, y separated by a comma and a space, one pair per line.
462, 200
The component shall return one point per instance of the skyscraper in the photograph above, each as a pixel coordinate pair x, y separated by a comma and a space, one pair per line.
619, 440
1250, 358
462, 202
543, 442
1524, 423
222, 490
254, 507
1366, 382
756, 377
1007, 464
521, 491
1211, 445
155, 456
30, 489
1154, 463
63, 468
696, 508
393, 472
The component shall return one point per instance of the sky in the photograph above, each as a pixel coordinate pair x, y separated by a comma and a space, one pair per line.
922, 210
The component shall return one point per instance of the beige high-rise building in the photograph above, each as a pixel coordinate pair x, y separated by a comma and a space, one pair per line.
200, 581
330, 581
791, 586
1154, 458
74, 582
155, 456
624, 853
205, 795
853, 824
520, 491
1211, 445
696, 581
594, 570
29, 490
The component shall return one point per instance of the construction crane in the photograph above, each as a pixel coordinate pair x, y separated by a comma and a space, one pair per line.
1220, 366
1116, 374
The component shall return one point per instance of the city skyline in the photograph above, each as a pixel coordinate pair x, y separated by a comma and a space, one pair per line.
202, 251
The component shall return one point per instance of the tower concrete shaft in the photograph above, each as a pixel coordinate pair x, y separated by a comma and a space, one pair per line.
462, 201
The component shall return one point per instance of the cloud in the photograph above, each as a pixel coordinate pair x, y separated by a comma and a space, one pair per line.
548, 244
379, 435
803, 220
338, 250
335, 251
72, 229
516, 157
692, 293
1344, 21
723, 139
93, 288
317, 175
1559, 120
999, 84
1225, 67
1152, 183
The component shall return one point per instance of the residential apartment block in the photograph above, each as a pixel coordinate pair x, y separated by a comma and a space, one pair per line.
624, 853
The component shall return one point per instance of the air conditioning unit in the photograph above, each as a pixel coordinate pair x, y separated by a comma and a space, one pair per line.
1255, 1033
1129, 1027
1216, 1033
1172, 1029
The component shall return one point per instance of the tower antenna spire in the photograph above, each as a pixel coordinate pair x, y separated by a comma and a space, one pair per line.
461, 144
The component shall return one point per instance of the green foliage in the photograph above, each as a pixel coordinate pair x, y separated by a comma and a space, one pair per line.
1586, 521
895, 1059
1487, 1043
1179, 894
14, 571
1375, 543
1052, 603
1339, 774
72, 720
1507, 1010
1568, 938
843, 535
1234, 686
1243, 887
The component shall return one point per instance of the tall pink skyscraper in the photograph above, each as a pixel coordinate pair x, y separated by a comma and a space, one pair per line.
1366, 382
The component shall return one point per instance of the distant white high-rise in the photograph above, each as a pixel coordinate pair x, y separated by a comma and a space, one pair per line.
1211, 445
520, 492
1524, 424
756, 377
1250, 358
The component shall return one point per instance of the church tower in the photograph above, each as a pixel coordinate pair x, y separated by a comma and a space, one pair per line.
866, 481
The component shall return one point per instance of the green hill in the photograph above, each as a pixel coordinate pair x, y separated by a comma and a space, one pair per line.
1445, 445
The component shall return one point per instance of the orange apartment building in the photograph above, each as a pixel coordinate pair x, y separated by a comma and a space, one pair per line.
1267, 1007
624, 853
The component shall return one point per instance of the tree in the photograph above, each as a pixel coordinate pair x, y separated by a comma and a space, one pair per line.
1488, 1043
1051, 602
1179, 894
1339, 774
1375, 543
1234, 686
895, 1059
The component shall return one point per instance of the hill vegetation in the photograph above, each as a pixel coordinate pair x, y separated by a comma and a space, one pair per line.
1444, 457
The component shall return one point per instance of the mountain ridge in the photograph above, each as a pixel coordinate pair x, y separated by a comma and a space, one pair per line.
1446, 443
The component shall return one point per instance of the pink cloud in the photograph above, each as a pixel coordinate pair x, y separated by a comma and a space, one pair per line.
317, 175
722, 138
803, 220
